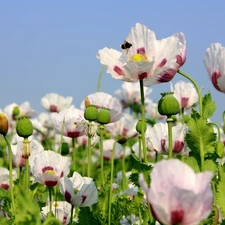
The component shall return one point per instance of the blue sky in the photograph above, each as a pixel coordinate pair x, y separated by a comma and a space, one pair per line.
51, 46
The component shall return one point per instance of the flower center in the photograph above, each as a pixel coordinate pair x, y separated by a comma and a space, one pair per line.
138, 58
49, 172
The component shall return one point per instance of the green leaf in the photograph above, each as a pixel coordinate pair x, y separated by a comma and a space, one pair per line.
220, 193
137, 168
86, 217
192, 162
27, 209
210, 165
201, 137
208, 106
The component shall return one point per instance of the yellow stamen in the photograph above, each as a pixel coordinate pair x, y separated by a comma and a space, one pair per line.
50, 172
138, 58
56, 204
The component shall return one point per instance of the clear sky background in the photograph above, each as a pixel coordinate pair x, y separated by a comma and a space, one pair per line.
50, 45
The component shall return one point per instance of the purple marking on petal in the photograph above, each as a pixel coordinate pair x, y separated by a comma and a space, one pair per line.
214, 78
73, 134
141, 51
142, 76
162, 63
179, 60
62, 174
166, 76
163, 143
118, 70
177, 217
47, 168
124, 132
83, 198
178, 146
51, 183
67, 196
53, 108
184, 102
4, 186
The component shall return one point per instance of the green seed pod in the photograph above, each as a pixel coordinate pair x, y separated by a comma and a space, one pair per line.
220, 149
103, 116
65, 148
4, 125
168, 105
139, 126
91, 113
24, 127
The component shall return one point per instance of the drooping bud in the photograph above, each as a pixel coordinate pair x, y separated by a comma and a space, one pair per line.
65, 148
16, 112
122, 140
220, 149
24, 127
103, 116
86, 102
4, 124
139, 126
91, 113
168, 105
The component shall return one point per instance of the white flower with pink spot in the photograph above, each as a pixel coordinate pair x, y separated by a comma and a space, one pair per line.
148, 59
157, 139
48, 167
87, 193
214, 62
54, 102
177, 195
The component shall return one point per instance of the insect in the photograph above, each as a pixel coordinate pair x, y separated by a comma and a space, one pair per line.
126, 45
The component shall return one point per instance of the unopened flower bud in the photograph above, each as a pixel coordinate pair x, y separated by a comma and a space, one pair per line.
16, 111
65, 148
103, 116
91, 113
139, 126
24, 127
168, 105
122, 140
4, 125
220, 149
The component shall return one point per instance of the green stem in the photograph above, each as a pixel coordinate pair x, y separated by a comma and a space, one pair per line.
101, 128
124, 178
156, 156
202, 155
197, 89
73, 154
170, 138
27, 174
50, 199
111, 181
182, 115
10, 173
47, 140
71, 214
89, 150
139, 147
100, 78
143, 120
218, 130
